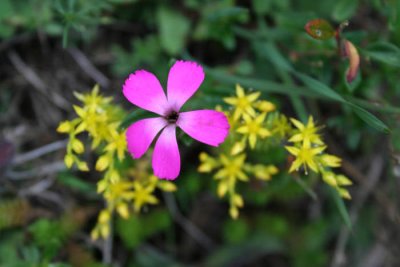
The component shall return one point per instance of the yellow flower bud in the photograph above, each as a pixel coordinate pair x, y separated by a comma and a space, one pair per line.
222, 189
344, 193
82, 166
94, 234
166, 186
343, 180
237, 200
265, 106
104, 216
69, 160
234, 212
329, 178
123, 210
101, 186
237, 148
64, 127
77, 146
102, 163
105, 230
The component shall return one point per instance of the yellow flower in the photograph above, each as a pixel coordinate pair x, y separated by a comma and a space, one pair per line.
243, 103
306, 133
232, 168
281, 126
306, 156
94, 99
142, 196
121, 190
117, 143
254, 128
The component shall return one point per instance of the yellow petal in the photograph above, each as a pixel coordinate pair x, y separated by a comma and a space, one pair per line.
252, 140
239, 90
292, 150
298, 124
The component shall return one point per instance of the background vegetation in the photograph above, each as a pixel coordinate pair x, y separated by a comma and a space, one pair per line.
51, 48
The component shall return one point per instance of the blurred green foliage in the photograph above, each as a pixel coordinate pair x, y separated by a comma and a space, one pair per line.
262, 45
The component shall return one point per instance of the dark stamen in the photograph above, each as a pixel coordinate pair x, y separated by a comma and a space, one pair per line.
172, 117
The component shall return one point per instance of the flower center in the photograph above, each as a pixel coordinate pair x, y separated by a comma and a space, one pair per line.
172, 117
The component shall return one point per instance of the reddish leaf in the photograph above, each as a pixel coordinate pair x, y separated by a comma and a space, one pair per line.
320, 29
354, 60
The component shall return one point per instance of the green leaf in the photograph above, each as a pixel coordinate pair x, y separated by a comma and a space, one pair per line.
66, 178
341, 207
384, 52
326, 91
174, 28
344, 9
129, 230
269, 50
320, 29
319, 88
369, 118
135, 115
257, 84
134, 230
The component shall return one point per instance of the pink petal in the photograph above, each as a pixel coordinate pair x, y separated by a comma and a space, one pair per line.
166, 158
144, 90
207, 126
184, 79
141, 133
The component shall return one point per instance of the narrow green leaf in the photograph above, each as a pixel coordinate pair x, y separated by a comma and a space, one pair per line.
269, 50
258, 84
326, 91
369, 118
319, 88
384, 52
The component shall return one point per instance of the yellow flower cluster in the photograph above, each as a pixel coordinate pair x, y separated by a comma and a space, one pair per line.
255, 123
248, 121
122, 187
308, 150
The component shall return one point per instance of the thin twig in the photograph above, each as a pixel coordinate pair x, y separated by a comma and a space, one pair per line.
108, 245
87, 66
186, 224
47, 169
36, 153
30, 75
368, 186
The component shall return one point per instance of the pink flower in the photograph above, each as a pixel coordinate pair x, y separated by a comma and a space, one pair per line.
143, 89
